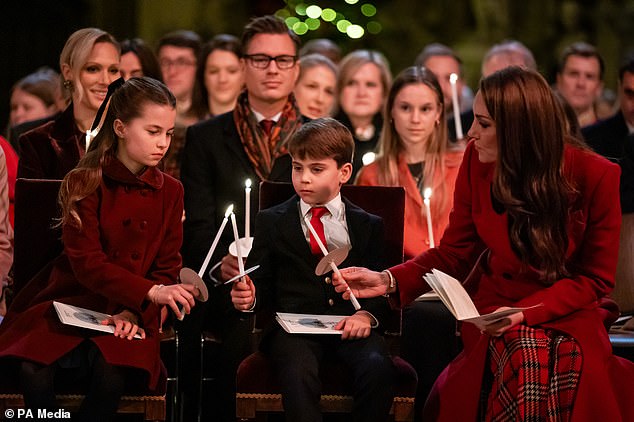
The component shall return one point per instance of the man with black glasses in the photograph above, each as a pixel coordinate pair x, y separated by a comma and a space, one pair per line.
220, 154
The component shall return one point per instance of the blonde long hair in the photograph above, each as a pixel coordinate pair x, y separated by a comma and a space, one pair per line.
126, 104
391, 146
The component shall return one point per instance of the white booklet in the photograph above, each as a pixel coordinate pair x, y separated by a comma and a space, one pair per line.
309, 323
457, 300
85, 318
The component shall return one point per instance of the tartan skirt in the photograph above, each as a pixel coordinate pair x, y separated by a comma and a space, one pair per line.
533, 376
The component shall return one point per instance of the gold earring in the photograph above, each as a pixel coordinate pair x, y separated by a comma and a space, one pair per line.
68, 84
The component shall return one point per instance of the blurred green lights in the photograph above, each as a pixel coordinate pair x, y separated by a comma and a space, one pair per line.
313, 11
368, 10
290, 21
313, 24
343, 25
374, 27
302, 16
300, 9
355, 31
300, 28
328, 15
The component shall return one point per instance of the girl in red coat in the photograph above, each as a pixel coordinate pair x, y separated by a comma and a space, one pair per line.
543, 212
121, 223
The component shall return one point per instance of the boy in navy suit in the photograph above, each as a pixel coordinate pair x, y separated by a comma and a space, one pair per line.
321, 152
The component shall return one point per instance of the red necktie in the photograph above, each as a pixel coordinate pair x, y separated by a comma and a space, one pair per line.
267, 125
315, 221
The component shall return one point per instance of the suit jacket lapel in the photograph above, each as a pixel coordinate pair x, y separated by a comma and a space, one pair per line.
290, 230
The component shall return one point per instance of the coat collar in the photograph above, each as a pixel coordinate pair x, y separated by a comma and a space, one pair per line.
64, 127
115, 170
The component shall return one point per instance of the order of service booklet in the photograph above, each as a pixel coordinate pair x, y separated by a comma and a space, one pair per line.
457, 300
309, 323
85, 318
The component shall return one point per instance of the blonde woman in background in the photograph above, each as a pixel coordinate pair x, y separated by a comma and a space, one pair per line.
315, 89
89, 63
362, 86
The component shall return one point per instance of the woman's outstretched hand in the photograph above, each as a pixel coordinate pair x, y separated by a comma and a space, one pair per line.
363, 282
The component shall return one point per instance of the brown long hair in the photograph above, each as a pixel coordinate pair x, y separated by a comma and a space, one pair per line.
126, 104
529, 179
391, 145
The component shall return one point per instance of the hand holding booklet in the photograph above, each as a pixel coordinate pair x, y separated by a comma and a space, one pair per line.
309, 323
457, 300
85, 318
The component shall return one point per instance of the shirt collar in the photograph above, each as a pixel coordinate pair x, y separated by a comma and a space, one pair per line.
260, 116
334, 207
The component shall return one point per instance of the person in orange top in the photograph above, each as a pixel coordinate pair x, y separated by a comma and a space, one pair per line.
414, 153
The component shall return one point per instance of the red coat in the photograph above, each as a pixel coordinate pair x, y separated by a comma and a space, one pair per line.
130, 240
416, 235
575, 305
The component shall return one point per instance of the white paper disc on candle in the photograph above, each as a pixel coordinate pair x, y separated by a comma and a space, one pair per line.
245, 247
337, 257
189, 276
250, 270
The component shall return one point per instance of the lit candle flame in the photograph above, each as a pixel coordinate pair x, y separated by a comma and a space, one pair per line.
229, 211
247, 183
427, 193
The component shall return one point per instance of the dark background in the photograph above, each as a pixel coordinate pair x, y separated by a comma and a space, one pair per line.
33, 32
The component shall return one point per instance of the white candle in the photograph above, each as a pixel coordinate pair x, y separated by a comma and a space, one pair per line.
317, 239
247, 208
215, 242
430, 230
237, 240
453, 78
353, 298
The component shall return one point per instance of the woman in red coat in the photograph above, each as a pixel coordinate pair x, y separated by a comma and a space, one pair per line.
121, 222
543, 211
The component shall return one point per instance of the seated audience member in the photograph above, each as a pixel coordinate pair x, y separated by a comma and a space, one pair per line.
35, 99
178, 53
138, 59
316, 86
362, 85
580, 80
627, 176
220, 154
89, 63
414, 153
505, 54
608, 137
127, 270
6, 237
11, 164
36, 96
443, 61
287, 254
322, 46
539, 208
220, 74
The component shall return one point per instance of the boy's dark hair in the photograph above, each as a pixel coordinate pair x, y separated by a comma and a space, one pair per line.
323, 138
182, 38
267, 25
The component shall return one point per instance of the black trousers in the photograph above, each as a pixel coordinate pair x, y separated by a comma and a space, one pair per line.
103, 383
428, 343
298, 360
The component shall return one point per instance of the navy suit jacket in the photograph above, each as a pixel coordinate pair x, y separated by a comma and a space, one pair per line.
607, 137
213, 171
286, 280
